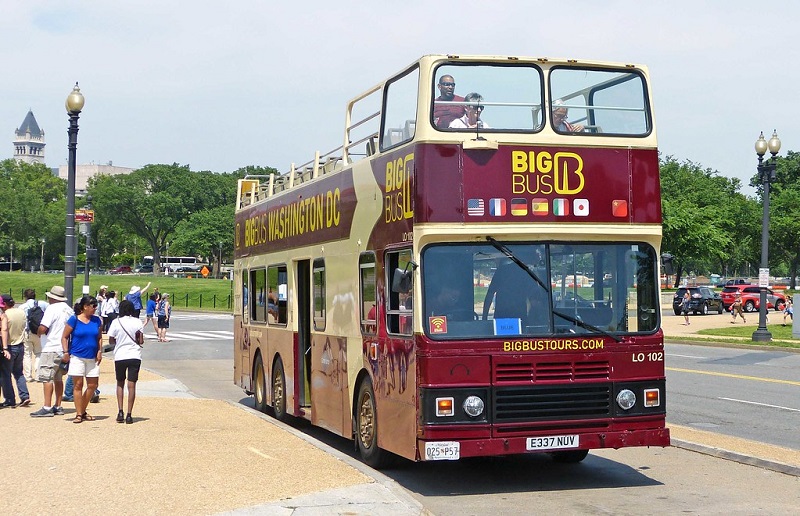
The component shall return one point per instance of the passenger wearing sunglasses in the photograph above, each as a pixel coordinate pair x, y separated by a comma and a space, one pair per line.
560, 119
472, 114
443, 111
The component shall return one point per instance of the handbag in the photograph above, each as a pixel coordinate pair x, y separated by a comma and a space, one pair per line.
139, 336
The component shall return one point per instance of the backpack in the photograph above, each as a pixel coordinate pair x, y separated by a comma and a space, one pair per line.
35, 315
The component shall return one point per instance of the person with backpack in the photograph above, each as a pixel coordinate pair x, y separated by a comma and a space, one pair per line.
34, 311
163, 311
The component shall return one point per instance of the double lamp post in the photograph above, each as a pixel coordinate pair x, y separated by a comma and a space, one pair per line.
766, 175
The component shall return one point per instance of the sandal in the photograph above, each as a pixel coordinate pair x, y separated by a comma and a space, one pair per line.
78, 419
86, 417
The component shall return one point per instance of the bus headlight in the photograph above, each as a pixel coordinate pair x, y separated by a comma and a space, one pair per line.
626, 399
473, 406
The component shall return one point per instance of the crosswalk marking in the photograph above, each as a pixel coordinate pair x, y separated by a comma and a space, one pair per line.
194, 335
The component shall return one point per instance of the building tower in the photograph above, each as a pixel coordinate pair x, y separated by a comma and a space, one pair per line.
29, 141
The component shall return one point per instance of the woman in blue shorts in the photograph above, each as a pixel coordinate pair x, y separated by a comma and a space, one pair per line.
85, 352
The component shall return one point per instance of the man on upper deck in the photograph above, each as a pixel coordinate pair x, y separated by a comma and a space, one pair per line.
443, 111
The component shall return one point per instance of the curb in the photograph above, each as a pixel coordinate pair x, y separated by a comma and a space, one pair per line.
771, 465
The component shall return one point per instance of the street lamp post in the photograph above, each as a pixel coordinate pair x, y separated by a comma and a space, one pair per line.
766, 174
74, 105
11, 264
88, 248
219, 265
41, 262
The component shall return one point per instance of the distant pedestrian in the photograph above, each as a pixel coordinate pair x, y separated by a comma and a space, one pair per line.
150, 310
685, 307
110, 309
50, 371
6, 384
101, 300
33, 344
126, 335
135, 297
16, 346
788, 309
163, 311
83, 334
736, 308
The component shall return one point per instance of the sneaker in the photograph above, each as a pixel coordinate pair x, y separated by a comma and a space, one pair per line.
25, 403
43, 412
120, 417
128, 420
9, 404
58, 411
95, 398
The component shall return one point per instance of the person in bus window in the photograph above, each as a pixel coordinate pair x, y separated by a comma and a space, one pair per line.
472, 114
447, 301
560, 119
443, 111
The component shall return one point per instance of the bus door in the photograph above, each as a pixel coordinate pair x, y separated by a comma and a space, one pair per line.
304, 330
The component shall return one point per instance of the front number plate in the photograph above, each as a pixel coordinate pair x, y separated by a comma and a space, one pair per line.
443, 450
551, 442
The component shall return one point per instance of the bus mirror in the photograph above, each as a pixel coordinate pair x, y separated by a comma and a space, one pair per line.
401, 281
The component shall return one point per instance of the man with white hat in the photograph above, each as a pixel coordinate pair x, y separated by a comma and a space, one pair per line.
49, 371
135, 297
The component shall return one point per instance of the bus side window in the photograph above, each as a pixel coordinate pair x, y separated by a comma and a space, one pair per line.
369, 306
276, 296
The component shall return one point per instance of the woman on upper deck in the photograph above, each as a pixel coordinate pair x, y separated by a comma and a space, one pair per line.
472, 114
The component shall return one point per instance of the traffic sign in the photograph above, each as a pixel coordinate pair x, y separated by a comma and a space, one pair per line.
204, 271
84, 215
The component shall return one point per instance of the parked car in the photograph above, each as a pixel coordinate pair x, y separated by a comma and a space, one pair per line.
120, 269
702, 300
736, 281
145, 269
751, 298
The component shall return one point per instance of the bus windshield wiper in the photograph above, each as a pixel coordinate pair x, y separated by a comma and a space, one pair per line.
580, 322
506, 251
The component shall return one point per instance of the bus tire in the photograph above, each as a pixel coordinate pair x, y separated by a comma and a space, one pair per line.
569, 457
259, 385
279, 391
367, 428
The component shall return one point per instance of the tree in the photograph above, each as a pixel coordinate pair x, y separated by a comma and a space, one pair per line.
784, 231
706, 221
208, 233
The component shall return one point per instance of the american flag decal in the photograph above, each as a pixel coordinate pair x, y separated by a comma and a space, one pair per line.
475, 207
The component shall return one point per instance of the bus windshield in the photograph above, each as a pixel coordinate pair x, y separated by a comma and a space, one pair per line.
509, 98
539, 289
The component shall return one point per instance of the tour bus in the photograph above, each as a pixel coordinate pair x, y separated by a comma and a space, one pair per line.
467, 274
175, 263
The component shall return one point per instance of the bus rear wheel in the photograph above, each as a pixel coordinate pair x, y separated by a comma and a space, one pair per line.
259, 385
569, 457
279, 390
367, 428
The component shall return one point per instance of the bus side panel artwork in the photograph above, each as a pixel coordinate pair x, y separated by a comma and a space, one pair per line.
330, 394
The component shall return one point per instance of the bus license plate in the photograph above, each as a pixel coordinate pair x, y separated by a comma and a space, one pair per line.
552, 442
443, 450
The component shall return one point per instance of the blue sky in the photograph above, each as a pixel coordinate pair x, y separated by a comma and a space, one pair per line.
221, 86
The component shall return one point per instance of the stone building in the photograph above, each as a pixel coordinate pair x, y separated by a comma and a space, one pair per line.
29, 141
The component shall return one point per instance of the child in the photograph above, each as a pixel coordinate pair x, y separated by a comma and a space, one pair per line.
788, 310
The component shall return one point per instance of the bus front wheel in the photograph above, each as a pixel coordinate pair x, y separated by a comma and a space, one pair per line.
367, 428
259, 385
569, 457
279, 390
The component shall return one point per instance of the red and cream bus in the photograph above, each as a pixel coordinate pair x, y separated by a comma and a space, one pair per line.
467, 275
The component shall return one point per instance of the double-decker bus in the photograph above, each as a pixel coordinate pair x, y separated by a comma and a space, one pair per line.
467, 275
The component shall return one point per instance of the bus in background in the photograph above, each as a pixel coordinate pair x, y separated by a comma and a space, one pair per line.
174, 263
469, 274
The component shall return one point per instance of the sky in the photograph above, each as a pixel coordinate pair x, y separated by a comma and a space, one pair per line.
219, 86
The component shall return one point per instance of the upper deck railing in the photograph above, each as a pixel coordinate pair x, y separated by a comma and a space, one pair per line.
608, 102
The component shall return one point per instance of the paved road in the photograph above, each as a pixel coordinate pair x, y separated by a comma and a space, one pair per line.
628, 481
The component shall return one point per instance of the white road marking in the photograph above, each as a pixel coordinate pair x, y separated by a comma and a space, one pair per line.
761, 404
685, 356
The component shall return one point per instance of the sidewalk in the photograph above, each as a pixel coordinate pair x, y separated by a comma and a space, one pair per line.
673, 326
182, 455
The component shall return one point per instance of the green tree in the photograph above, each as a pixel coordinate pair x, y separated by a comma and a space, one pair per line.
784, 230
208, 233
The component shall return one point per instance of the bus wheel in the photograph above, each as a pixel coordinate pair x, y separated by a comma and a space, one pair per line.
279, 390
260, 385
367, 428
569, 457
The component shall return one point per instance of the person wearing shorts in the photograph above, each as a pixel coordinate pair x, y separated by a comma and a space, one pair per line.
150, 310
49, 373
163, 311
127, 356
85, 353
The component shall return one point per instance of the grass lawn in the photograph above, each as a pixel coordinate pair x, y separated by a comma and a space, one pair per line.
194, 293
781, 335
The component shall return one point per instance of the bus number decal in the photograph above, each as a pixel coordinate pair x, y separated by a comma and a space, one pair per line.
397, 201
539, 172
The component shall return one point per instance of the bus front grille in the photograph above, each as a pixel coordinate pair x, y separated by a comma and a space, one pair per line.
514, 372
537, 403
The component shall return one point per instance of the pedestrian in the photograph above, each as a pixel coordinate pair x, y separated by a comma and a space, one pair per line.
126, 335
788, 309
110, 309
150, 310
16, 347
51, 366
135, 297
736, 308
33, 344
685, 307
101, 300
163, 311
5, 362
82, 343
